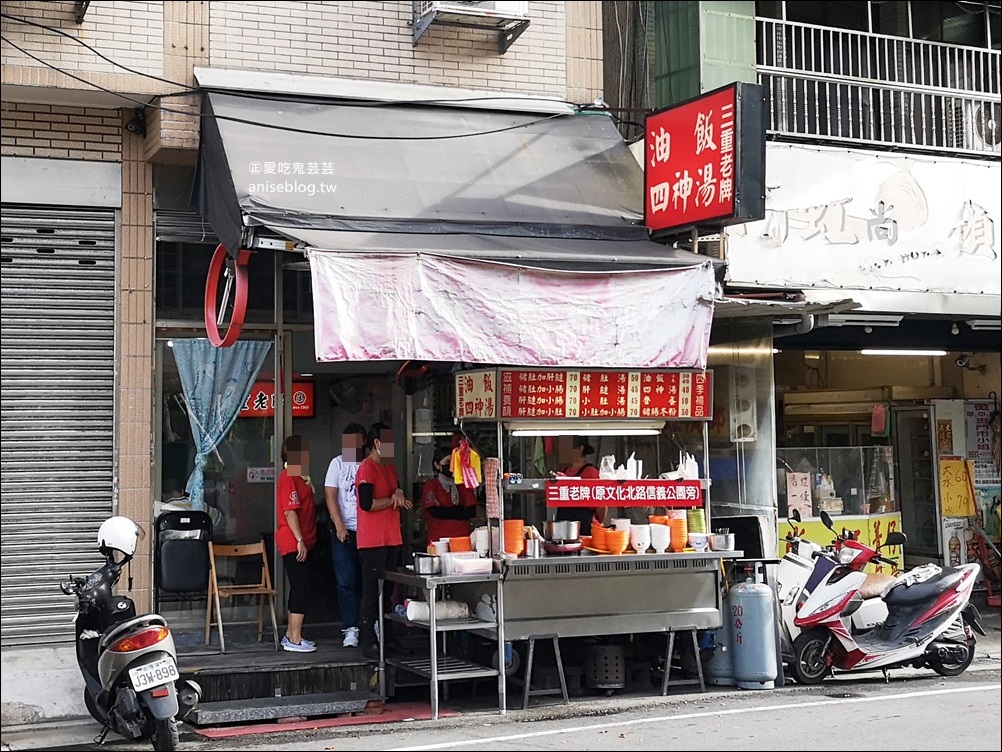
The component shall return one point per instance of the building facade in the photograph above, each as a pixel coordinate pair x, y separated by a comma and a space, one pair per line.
883, 174
100, 117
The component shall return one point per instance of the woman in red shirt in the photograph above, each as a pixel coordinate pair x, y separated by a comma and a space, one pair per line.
380, 500
295, 538
448, 507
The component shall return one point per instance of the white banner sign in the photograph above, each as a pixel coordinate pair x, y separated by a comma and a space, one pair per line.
870, 221
370, 306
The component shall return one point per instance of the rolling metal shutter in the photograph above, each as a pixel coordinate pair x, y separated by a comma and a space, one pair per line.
57, 410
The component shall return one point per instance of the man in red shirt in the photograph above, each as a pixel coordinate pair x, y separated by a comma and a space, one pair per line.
448, 507
380, 542
295, 537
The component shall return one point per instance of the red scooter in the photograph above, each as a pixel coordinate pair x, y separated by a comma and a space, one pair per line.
930, 620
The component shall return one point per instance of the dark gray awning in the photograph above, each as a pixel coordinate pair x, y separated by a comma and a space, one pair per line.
345, 175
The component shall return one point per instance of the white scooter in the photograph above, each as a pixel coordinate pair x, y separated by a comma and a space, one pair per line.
930, 620
804, 566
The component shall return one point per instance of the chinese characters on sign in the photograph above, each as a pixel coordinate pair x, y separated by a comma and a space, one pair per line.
261, 400
537, 394
675, 395
956, 488
798, 494
979, 434
476, 394
624, 493
862, 220
690, 164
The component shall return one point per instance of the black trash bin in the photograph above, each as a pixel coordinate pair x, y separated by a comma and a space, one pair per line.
181, 568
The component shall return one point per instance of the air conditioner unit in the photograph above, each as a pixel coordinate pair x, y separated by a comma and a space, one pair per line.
977, 127
508, 17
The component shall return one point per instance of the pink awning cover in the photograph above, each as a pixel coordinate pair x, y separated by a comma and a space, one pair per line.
380, 306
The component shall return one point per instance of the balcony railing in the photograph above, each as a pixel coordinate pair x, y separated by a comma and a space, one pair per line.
836, 85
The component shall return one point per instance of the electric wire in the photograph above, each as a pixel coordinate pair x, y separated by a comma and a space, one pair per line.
283, 128
186, 89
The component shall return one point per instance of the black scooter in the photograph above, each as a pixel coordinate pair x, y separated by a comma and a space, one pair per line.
128, 662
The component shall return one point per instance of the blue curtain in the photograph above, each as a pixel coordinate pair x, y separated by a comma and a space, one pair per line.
216, 383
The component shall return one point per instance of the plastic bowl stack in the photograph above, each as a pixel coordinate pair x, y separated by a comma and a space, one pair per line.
616, 541
697, 521
514, 537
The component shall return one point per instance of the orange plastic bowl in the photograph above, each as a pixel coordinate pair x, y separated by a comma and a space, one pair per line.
616, 541
598, 537
460, 544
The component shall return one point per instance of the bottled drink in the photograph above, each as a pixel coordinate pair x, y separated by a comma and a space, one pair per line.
954, 550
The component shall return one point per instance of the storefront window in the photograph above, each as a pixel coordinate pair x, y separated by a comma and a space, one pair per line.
237, 485
839, 480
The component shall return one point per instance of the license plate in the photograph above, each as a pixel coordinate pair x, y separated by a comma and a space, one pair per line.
153, 674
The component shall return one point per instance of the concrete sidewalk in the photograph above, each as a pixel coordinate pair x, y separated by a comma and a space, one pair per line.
81, 731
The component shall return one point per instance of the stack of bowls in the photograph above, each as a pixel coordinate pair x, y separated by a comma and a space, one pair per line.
660, 538
697, 521
514, 537
679, 533
598, 537
616, 541
640, 538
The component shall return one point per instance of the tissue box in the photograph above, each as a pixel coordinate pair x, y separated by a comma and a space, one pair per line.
449, 561
473, 566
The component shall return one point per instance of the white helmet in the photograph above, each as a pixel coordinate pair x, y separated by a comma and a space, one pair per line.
119, 534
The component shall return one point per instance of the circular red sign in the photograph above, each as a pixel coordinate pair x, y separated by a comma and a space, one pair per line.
216, 268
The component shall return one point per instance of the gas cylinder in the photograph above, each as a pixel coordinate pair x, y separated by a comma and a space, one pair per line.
720, 669
753, 635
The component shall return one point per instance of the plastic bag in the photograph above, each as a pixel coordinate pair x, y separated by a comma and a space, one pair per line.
607, 467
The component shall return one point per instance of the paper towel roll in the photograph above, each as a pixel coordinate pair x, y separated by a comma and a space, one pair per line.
418, 610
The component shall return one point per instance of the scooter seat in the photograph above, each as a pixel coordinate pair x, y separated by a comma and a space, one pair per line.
875, 584
903, 593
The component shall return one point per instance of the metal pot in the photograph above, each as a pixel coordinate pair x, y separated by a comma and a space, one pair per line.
427, 564
561, 530
722, 542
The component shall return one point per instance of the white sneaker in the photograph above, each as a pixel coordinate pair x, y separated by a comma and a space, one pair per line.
350, 637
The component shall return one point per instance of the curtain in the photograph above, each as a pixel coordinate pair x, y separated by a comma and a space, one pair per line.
216, 383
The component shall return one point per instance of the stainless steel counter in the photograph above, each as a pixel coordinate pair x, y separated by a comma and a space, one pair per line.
584, 595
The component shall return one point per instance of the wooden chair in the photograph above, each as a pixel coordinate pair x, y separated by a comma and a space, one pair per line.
262, 589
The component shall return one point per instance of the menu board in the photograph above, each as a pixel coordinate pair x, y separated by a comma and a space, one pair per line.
624, 493
537, 394
518, 393
476, 394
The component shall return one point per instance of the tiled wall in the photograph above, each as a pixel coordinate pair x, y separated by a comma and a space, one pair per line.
42, 130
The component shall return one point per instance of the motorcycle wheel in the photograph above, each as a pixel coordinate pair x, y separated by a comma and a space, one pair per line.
808, 666
953, 668
92, 708
165, 736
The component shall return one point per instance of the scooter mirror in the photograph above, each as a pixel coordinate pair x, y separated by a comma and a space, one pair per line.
795, 516
826, 520
895, 538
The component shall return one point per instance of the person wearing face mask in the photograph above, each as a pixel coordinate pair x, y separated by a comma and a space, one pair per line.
448, 507
380, 543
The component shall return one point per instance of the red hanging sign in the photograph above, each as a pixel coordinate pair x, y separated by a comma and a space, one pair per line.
704, 161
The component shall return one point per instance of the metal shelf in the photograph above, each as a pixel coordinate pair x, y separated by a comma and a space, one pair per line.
449, 668
447, 625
